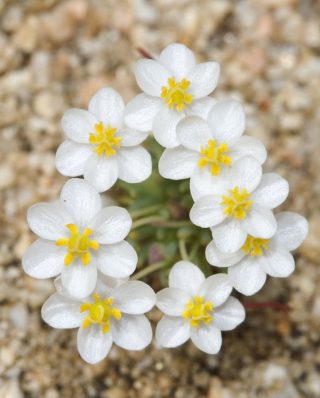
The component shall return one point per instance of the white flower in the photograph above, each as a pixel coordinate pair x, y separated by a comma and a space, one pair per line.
239, 204
210, 146
196, 308
100, 147
77, 238
113, 314
173, 87
248, 267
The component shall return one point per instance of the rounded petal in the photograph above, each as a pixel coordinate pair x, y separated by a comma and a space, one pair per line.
111, 225
207, 211
164, 127
247, 277
272, 191
81, 199
43, 259
277, 262
202, 183
101, 172
203, 78
177, 163
78, 124
108, 107
134, 164
132, 332
248, 146
207, 338
193, 133
49, 220
131, 137
229, 236
151, 76
292, 230
260, 222
134, 297
79, 280
229, 315
61, 312
201, 107
245, 173
186, 276
141, 111
177, 59
216, 289
172, 332
93, 344
118, 260
71, 158
172, 301
219, 259
227, 120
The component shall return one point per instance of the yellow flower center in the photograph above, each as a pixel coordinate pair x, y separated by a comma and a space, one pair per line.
104, 140
175, 94
197, 311
238, 204
100, 312
78, 245
255, 246
214, 156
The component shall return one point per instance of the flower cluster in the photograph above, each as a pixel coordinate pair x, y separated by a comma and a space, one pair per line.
82, 244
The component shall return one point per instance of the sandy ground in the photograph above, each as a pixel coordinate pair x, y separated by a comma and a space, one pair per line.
54, 55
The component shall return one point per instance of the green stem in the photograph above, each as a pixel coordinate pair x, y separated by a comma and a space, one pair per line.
149, 269
183, 250
175, 224
146, 220
145, 211
194, 250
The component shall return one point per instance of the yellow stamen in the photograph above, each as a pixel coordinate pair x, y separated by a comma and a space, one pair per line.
238, 204
176, 95
255, 246
197, 311
104, 140
214, 156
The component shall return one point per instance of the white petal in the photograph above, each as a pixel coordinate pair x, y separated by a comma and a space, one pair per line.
108, 107
132, 332
78, 124
177, 59
134, 297
272, 191
248, 146
49, 220
203, 78
43, 259
207, 338
229, 236
172, 301
201, 107
247, 277
61, 312
193, 133
131, 137
141, 111
79, 280
134, 164
229, 315
177, 163
164, 127
246, 173
277, 262
71, 158
93, 344
186, 276
216, 289
202, 183
260, 222
219, 259
172, 332
292, 230
81, 199
207, 211
111, 225
151, 76
101, 172
227, 120
118, 260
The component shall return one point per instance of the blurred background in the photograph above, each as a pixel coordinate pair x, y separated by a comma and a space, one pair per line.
54, 55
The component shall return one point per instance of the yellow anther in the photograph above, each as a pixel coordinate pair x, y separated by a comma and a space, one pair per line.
214, 156
176, 95
255, 246
238, 204
105, 140
100, 312
197, 311
78, 245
